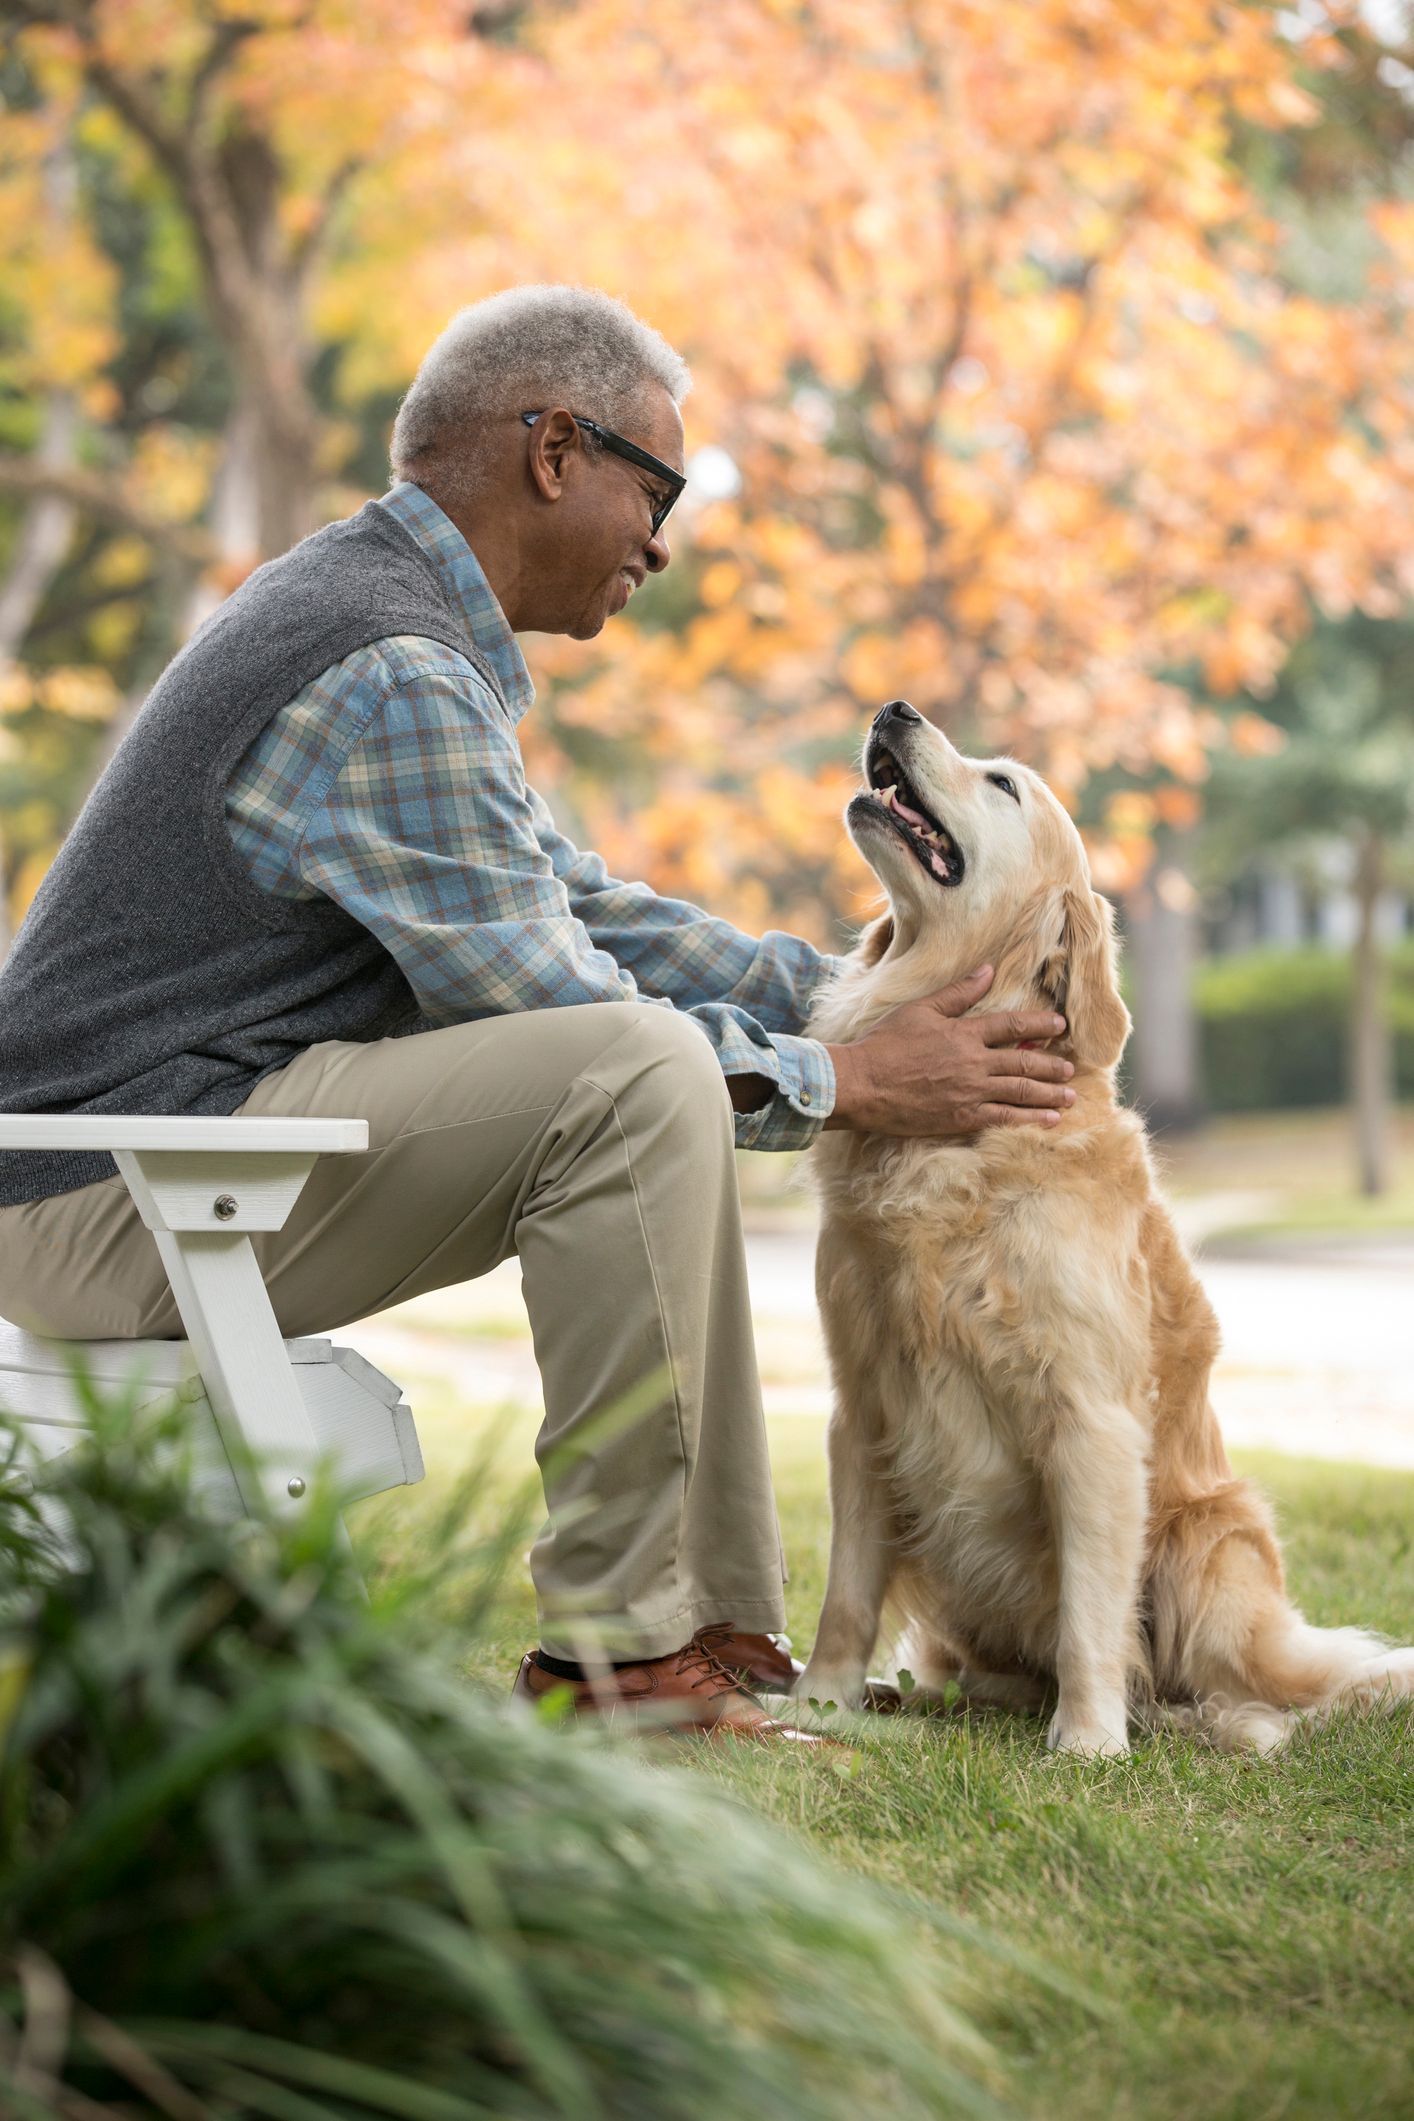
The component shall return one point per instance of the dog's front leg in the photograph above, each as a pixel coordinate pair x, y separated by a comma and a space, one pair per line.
1097, 1490
861, 1562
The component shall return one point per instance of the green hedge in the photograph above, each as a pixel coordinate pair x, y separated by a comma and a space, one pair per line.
1274, 1027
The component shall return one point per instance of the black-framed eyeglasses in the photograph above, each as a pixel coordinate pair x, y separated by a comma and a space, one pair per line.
607, 439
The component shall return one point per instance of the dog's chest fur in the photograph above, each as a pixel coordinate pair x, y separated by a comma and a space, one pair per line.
949, 1278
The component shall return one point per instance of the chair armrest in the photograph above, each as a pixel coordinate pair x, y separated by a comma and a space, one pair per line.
233, 1136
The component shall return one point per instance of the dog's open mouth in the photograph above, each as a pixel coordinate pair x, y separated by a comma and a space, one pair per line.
932, 843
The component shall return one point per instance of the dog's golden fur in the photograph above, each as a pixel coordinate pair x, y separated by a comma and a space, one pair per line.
1024, 1460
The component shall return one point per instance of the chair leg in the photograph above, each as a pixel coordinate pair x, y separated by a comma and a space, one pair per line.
235, 1338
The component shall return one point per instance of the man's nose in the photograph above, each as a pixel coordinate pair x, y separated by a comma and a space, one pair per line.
896, 711
657, 553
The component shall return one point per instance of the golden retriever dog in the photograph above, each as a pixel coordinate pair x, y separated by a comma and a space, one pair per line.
1024, 1463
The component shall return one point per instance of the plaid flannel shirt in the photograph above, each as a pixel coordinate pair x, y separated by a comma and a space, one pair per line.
393, 784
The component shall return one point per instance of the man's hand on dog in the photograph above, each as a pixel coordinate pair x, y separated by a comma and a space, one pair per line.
930, 1069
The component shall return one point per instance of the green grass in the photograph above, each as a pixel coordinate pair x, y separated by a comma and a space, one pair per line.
263, 1857
1240, 1931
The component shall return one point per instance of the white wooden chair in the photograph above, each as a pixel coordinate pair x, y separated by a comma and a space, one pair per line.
201, 1185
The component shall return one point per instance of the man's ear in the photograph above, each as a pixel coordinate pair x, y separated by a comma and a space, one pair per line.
552, 441
1087, 989
875, 940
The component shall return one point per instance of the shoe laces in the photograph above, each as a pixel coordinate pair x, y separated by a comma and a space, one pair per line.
713, 1639
702, 1650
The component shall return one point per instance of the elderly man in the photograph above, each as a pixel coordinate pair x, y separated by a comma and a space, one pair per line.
313, 880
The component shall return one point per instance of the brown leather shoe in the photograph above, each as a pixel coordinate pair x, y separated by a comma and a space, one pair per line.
760, 1661
689, 1690
764, 1662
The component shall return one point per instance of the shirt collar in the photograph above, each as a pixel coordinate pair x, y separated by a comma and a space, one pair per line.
467, 586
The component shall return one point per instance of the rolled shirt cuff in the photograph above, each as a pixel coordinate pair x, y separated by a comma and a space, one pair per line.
805, 1094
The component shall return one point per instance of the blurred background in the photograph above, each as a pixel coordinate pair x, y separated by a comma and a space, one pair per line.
1053, 370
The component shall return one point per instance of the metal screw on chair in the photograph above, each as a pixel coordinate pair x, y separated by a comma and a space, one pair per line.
294, 1486
224, 1206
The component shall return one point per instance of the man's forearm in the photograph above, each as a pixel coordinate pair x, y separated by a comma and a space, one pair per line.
851, 1075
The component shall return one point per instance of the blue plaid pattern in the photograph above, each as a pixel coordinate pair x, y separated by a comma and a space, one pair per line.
393, 784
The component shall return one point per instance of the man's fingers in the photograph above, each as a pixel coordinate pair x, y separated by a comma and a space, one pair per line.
1019, 1090
1013, 1116
1041, 1067
1008, 1027
965, 993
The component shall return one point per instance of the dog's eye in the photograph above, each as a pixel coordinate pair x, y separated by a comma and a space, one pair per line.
999, 780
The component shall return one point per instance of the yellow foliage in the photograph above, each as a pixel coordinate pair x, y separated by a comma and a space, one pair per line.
28, 878
16, 688
122, 560
171, 471
1025, 410
720, 583
1178, 807
1254, 737
80, 694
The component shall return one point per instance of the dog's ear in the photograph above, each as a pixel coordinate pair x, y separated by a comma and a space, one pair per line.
876, 939
1087, 986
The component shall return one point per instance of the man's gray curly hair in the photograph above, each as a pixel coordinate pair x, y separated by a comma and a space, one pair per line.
519, 352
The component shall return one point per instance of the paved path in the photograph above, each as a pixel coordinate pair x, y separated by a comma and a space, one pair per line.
1318, 1339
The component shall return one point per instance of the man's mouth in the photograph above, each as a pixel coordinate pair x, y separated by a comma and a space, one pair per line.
893, 794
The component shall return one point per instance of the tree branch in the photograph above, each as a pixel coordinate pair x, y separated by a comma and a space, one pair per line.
307, 249
213, 63
239, 296
93, 494
130, 98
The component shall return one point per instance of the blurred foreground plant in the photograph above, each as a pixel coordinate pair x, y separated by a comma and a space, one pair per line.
262, 1855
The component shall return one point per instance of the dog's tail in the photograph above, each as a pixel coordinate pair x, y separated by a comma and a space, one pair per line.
1232, 1656
1232, 1726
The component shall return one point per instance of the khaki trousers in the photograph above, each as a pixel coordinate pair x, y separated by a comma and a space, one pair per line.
595, 1143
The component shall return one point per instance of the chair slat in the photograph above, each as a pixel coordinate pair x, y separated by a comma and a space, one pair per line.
86, 1130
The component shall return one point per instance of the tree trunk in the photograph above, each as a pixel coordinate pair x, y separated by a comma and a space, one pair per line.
48, 522
192, 594
39, 553
1162, 935
275, 427
1371, 1050
43, 540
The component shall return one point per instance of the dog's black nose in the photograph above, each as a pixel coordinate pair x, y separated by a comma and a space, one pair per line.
896, 711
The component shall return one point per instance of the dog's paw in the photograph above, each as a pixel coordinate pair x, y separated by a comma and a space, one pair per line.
1102, 1737
828, 1691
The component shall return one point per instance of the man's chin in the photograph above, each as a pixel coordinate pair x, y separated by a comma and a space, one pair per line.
597, 615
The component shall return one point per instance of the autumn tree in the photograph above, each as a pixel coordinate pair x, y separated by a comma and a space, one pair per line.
1339, 775
260, 121
1022, 418
1030, 425
178, 186
1341, 781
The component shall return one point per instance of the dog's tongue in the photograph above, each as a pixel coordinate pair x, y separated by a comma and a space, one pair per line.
913, 816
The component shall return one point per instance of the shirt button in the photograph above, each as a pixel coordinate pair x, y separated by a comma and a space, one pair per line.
805, 1097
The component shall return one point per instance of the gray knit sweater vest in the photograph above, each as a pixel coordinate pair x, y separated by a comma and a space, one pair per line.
152, 974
